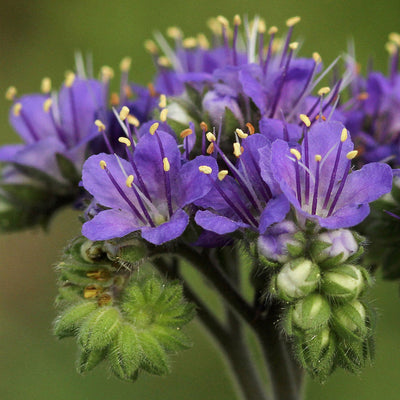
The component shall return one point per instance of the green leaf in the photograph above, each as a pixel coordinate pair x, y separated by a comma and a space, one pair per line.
67, 169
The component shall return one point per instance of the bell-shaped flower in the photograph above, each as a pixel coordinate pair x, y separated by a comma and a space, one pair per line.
316, 177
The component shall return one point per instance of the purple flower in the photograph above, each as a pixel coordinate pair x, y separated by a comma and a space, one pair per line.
244, 199
316, 177
146, 193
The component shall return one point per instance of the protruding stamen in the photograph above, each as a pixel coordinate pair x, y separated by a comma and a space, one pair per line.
237, 150
318, 159
17, 109
343, 136
237, 20
101, 127
153, 128
164, 61
47, 104
163, 101
222, 174
151, 47
205, 169
114, 99
174, 32
251, 128
125, 64
395, 38
272, 30
203, 41
316, 57
211, 137
223, 21
163, 114
324, 91
210, 148
69, 79
166, 164
241, 134
305, 120
293, 45
103, 164
132, 120
185, 133
107, 73
296, 153
125, 141
262, 28
123, 114
189, 43
352, 154
45, 86
292, 21
391, 48
11, 93
203, 126
129, 181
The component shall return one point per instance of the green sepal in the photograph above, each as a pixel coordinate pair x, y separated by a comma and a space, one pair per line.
134, 255
350, 356
68, 294
295, 251
155, 359
125, 355
230, 121
68, 323
194, 95
316, 248
89, 359
171, 339
67, 169
99, 328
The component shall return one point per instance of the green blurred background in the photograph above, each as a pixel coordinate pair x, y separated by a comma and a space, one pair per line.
39, 38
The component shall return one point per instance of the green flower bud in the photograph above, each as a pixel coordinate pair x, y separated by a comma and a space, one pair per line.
343, 283
68, 323
126, 354
99, 328
311, 312
91, 251
350, 320
297, 279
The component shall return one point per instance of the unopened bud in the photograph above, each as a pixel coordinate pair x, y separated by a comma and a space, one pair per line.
350, 320
91, 251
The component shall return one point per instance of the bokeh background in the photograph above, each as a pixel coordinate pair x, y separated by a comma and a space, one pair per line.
39, 38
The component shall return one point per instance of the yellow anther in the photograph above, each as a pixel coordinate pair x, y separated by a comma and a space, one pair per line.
391, 48
185, 133
69, 79
211, 137
47, 104
163, 61
11, 93
296, 153
316, 57
101, 127
343, 136
223, 21
132, 120
237, 151
250, 127
214, 26
174, 32
129, 181
154, 127
237, 20
210, 148
166, 165
125, 64
92, 291
124, 113
203, 126
318, 158
151, 47
104, 299
306, 121
99, 275
363, 96
205, 169
395, 38
17, 109
272, 30
324, 91
103, 164
163, 101
262, 28
241, 134
107, 73
222, 174
114, 99
292, 21
163, 114
189, 42
277, 45
45, 86
351, 154
125, 140
293, 45
203, 41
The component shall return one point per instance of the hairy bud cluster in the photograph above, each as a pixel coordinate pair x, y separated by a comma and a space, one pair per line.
328, 322
133, 323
